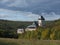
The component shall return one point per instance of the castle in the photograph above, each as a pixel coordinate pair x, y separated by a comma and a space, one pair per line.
35, 24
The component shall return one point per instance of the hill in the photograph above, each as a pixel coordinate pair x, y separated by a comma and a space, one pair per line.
8, 28
49, 32
13, 25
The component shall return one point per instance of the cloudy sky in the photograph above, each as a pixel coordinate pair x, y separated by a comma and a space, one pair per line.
29, 10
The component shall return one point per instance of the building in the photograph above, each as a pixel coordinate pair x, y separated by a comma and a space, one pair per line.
39, 23
21, 30
33, 26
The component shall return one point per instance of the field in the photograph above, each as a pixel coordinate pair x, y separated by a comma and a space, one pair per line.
7, 41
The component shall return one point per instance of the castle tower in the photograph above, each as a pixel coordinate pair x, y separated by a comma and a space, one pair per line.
41, 21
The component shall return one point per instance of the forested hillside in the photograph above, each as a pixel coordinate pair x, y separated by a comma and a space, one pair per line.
13, 25
50, 32
8, 28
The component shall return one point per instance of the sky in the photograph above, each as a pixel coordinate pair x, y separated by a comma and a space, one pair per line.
29, 10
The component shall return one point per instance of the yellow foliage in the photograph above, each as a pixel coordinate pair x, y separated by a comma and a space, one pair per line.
52, 36
44, 34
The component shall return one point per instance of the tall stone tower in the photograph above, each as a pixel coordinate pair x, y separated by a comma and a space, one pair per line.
41, 21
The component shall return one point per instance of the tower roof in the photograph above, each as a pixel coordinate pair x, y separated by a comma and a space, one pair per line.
41, 18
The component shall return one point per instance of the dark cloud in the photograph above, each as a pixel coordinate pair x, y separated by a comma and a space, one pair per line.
35, 6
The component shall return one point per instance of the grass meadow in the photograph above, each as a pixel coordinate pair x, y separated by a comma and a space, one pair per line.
7, 41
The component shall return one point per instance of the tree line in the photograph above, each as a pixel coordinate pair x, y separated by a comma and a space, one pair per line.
50, 32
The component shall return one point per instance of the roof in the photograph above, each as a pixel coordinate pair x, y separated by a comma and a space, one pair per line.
32, 26
41, 18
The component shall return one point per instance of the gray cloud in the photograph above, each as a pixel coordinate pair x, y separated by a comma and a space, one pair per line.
34, 6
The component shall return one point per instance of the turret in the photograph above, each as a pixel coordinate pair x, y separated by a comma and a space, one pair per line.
41, 21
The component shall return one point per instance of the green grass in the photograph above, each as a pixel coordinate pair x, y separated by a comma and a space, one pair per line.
6, 41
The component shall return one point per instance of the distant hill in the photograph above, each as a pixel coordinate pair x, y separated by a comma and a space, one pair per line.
53, 23
8, 28
13, 25
51, 30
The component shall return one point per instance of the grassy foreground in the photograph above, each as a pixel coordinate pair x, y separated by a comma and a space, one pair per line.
5, 41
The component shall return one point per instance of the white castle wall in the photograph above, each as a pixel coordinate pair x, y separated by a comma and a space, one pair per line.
41, 22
